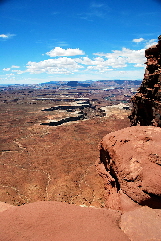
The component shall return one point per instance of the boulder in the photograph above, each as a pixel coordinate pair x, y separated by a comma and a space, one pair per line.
130, 164
142, 224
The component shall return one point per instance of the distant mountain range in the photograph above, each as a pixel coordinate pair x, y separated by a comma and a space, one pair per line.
85, 83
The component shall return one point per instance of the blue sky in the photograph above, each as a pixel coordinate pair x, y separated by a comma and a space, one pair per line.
59, 40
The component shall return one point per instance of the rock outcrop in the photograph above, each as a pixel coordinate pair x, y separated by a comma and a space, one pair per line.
130, 164
56, 221
142, 224
147, 102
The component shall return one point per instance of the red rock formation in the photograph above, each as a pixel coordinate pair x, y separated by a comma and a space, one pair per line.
147, 102
130, 164
142, 224
56, 221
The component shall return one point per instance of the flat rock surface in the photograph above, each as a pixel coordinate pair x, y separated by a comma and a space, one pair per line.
131, 158
4, 206
55, 221
143, 224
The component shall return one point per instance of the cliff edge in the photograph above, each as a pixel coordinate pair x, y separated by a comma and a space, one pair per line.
147, 102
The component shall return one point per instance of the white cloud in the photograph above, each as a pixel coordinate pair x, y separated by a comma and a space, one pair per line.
102, 63
10, 74
139, 65
124, 63
6, 36
62, 65
99, 68
88, 61
15, 67
120, 58
12, 67
138, 40
150, 43
3, 36
6, 69
18, 71
57, 51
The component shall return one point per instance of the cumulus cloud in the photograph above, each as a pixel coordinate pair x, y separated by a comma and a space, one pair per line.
102, 63
62, 65
99, 68
57, 51
88, 61
120, 58
108, 63
138, 40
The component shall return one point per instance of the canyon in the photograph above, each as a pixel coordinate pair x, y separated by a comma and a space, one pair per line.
44, 138
78, 164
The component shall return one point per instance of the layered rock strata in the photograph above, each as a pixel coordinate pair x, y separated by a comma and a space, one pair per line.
147, 102
130, 164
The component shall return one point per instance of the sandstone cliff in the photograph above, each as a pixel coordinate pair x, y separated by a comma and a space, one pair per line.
147, 102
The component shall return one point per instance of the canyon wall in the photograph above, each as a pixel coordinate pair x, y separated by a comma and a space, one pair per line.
147, 102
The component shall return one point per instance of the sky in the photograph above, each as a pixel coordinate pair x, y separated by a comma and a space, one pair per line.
65, 40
